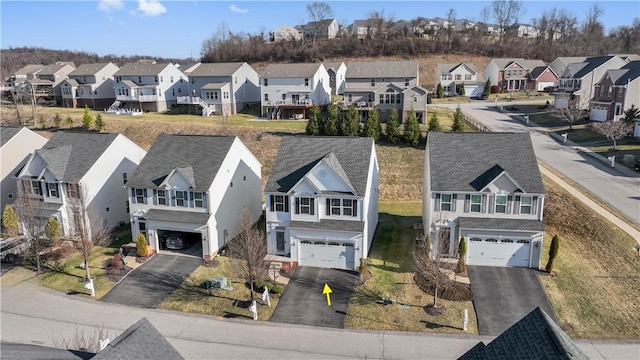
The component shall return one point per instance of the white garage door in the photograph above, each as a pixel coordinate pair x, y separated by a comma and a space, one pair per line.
498, 252
544, 84
327, 254
598, 114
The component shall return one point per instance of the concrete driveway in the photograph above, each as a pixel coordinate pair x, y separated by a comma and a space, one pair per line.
503, 295
150, 283
304, 303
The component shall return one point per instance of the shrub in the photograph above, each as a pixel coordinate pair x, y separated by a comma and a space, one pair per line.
462, 252
434, 123
100, 124
142, 249
372, 125
116, 261
277, 289
439, 91
57, 120
52, 230
458, 120
393, 128
487, 87
41, 121
495, 89
87, 118
462, 90
412, 129
313, 125
553, 252
69, 120
10, 221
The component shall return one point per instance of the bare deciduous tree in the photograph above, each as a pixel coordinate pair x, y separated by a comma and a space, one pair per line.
33, 220
247, 251
318, 11
613, 130
505, 13
571, 114
83, 339
428, 262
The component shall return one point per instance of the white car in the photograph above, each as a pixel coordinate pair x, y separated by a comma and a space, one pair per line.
11, 248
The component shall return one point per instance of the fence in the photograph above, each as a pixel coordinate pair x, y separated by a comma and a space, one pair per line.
471, 122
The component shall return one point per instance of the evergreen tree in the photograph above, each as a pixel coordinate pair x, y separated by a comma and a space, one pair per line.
372, 125
439, 91
57, 120
487, 88
462, 253
52, 230
458, 120
462, 90
142, 249
313, 125
553, 252
434, 123
351, 122
331, 120
393, 129
100, 124
10, 221
87, 118
412, 129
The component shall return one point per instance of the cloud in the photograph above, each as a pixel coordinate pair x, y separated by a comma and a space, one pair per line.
238, 10
109, 5
151, 7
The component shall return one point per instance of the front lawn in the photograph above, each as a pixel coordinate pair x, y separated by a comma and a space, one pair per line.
622, 150
392, 278
192, 297
580, 134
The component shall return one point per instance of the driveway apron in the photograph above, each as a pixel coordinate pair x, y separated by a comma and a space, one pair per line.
503, 295
150, 283
304, 303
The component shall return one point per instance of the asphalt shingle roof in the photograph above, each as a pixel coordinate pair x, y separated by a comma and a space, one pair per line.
299, 154
186, 217
29, 69
204, 154
592, 63
499, 224
140, 69
335, 65
632, 72
30, 352
324, 224
463, 161
140, 341
88, 69
6, 133
538, 70
216, 69
535, 336
52, 69
378, 69
69, 155
296, 70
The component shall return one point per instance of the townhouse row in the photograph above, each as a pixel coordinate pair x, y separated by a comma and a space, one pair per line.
320, 199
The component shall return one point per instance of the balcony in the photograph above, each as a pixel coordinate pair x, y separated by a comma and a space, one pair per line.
362, 105
306, 103
138, 98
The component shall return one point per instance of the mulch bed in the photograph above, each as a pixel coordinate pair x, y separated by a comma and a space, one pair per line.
141, 259
434, 311
116, 273
448, 290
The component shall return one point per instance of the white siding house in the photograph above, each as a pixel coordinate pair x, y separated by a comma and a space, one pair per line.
453, 77
326, 214
90, 85
337, 74
198, 186
284, 33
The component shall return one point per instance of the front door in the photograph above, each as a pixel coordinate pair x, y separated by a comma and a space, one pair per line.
280, 241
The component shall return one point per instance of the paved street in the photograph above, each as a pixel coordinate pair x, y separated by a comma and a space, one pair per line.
32, 314
621, 192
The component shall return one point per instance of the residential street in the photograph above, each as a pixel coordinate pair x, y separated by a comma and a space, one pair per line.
32, 314
621, 192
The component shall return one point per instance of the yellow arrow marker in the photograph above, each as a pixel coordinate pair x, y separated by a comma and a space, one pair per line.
327, 290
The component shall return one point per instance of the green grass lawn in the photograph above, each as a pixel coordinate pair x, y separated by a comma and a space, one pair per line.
392, 277
622, 150
580, 134
451, 100
191, 297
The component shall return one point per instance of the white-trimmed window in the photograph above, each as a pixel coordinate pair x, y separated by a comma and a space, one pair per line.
476, 203
458, 77
373, 82
467, 76
349, 207
279, 203
140, 196
198, 199
162, 197
52, 190
335, 207
306, 82
181, 198
526, 204
265, 82
33, 187
445, 202
501, 204
305, 205
266, 97
406, 81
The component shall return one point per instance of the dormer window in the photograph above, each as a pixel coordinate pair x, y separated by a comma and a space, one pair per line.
181, 198
306, 82
501, 204
526, 204
266, 82
373, 82
198, 199
305, 205
162, 197
279, 203
52, 190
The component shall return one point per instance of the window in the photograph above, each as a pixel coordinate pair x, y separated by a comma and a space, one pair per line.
140, 195
162, 197
284, 97
467, 76
305, 205
475, 239
334, 206
506, 241
266, 97
305, 242
306, 82
491, 240
126, 205
171, 79
445, 202
458, 76
406, 82
373, 82
523, 241
381, 98
225, 95
181, 198
398, 99
526, 204
280, 203
609, 91
476, 203
193, 80
349, 207
501, 204
446, 76
198, 199
52, 190
333, 243
73, 191
266, 82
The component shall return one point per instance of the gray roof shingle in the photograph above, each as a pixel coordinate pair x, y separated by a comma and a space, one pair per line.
140, 69
592, 63
29, 69
299, 154
296, 70
88, 69
185, 217
378, 69
499, 224
216, 69
203, 153
6, 133
464, 162
324, 224
140, 341
30, 352
69, 155
535, 336
631, 73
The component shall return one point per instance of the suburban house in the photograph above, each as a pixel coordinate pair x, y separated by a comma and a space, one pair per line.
541, 77
559, 65
199, 187
523, 31
452, 77
45, 85
577, 82
90, 85
615, 92
337, 72
288, 91
221, 88
323, 29
81, 170
359, 29
28, 72
511, 74
284, 33
382, 85
487, 188
16, 145
322, 201
148, 86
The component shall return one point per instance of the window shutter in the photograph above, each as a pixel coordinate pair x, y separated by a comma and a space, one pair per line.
155, 197
509, 204
272, 206
312, 205
454, 200
204, 201
297, 205
133, 195
483, 207
58, 189
144, 191
516, 204
492, 203
286, 203
47, 186
355, 208
436, 207
328, 206
467, 203
534, 206
192, 201
173, 198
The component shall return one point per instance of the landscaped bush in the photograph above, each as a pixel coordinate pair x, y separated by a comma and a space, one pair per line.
277, 289
495, 89
448, 290
142, 249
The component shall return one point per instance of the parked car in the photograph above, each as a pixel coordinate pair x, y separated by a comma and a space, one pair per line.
636, 165
11, 248
550, 89
175, 241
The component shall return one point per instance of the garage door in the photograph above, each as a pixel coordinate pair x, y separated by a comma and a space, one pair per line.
598, 114
498, 252
544, 84
327, 254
